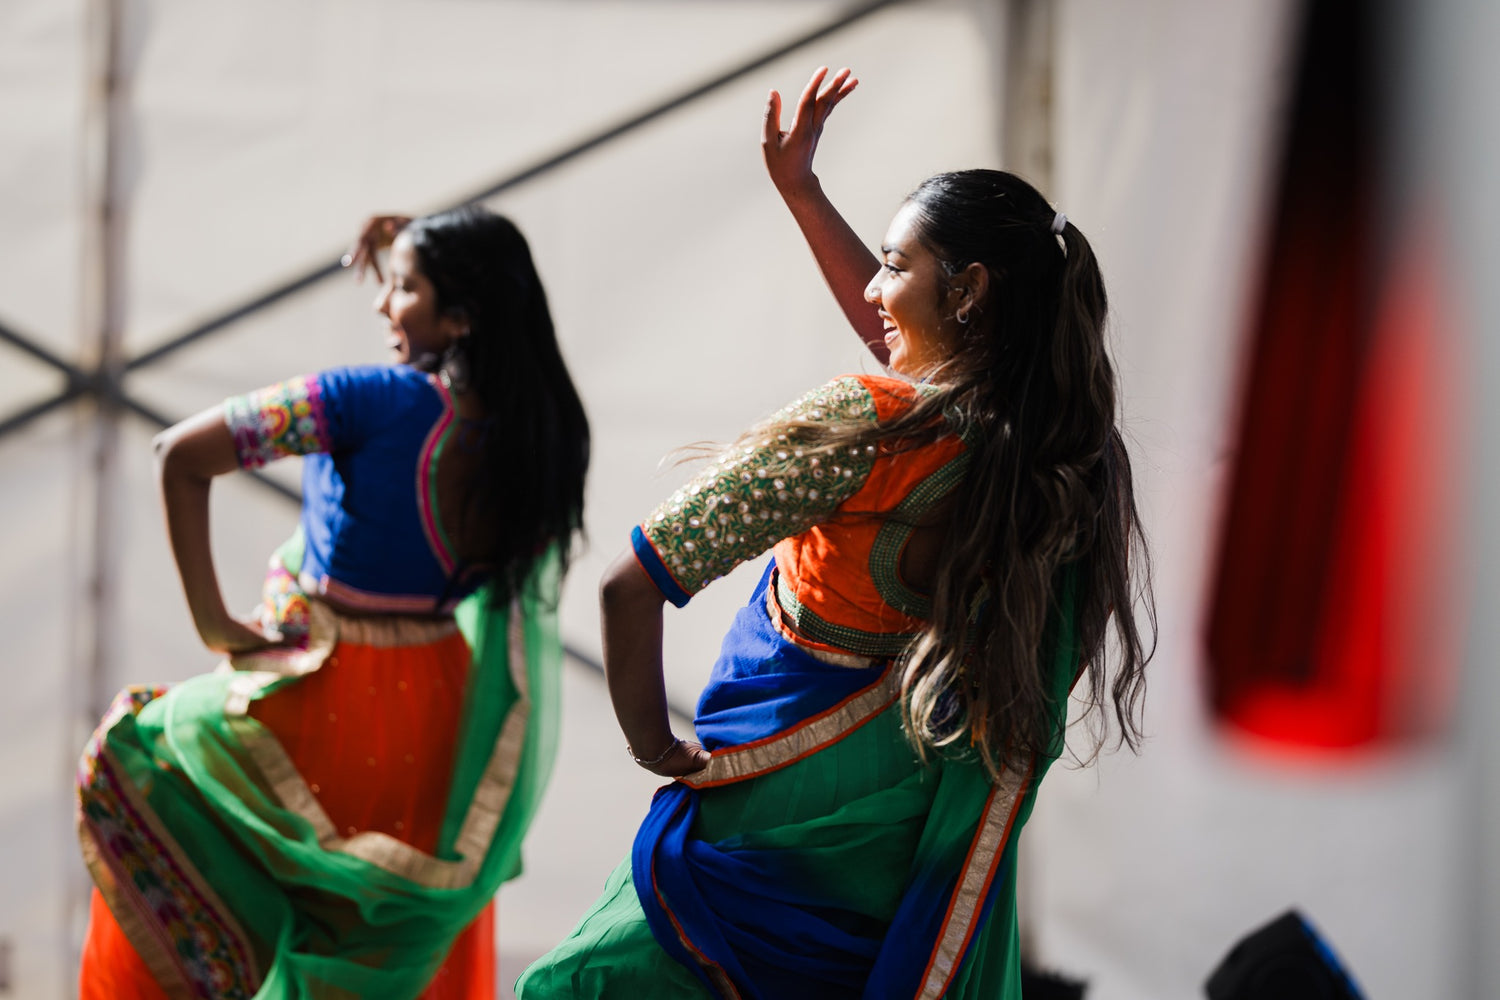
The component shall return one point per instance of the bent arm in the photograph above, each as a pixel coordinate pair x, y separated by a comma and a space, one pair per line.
847, 264
845, 261
630, 612
188, 456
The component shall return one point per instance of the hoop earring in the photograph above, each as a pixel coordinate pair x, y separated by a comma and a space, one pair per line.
962, 317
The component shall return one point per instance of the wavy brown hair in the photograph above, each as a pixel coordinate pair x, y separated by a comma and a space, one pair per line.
1046, 509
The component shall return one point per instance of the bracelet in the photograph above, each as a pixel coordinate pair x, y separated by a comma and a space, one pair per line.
652, 763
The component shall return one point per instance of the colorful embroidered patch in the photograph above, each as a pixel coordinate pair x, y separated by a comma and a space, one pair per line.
214, 960
284, 605
279, 420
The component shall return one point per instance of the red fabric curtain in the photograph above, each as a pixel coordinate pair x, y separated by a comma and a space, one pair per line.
1323, 625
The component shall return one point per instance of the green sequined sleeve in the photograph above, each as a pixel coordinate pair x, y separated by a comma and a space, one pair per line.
754, 495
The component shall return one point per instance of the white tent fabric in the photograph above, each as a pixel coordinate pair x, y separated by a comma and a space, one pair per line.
1165, 119
257, 136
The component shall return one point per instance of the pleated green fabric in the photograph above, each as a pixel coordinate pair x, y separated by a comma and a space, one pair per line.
857, 823
851, 818
171, 799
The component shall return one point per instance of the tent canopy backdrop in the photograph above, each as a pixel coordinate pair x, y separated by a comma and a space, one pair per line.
249, 141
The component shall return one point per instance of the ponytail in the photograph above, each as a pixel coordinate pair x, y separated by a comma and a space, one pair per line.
1046, 513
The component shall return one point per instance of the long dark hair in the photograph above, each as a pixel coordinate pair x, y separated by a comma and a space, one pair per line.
527, 487
1047, 502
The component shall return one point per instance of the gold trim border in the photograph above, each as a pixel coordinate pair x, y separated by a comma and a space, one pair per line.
379, 849
974, 882
750, 760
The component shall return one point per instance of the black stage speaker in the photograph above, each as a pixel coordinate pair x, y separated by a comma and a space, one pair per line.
1039, 985
1284, 960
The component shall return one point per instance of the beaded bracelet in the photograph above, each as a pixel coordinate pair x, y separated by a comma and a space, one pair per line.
664, 754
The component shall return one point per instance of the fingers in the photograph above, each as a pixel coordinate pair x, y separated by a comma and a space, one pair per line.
358, 258
770, 126
809, 98
235, 636
845, 90
840, 87
365, 258
692, 759
838, 81
377, 233
685, 757
358, 261
372, 239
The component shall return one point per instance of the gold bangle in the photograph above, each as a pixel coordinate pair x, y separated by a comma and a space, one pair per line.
652, 763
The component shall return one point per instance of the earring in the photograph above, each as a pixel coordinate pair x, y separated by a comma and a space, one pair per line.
453, 369
962, 316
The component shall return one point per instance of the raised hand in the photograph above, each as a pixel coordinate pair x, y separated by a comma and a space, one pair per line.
377, 234
789, 154
847, 264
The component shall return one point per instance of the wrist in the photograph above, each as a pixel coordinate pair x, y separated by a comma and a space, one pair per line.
801, 192
653, 761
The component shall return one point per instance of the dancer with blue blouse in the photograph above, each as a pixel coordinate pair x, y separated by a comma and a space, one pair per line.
331, 812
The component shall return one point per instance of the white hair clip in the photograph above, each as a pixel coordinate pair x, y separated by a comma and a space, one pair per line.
1059, 222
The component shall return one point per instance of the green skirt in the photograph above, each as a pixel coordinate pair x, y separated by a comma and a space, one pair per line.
852, 818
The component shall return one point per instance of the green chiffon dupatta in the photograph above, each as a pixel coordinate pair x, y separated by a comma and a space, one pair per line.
228, 877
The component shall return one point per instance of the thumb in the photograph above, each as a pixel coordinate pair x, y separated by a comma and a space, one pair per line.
771, 124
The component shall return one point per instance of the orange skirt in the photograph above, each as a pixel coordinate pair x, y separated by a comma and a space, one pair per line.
373, 731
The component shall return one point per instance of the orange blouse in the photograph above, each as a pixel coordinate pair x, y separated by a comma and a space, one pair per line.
837, 524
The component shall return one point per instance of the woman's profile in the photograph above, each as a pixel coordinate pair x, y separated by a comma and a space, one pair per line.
952, 543
331, 812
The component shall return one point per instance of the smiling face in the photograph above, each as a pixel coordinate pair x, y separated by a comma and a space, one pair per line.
916, 299
409, 303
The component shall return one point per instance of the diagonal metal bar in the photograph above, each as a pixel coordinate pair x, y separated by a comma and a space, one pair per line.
838, 23
78, 381
28, 346
234, 315
21, 418
835, 24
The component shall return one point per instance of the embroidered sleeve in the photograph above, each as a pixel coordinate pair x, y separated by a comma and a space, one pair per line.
288, 418
753, 495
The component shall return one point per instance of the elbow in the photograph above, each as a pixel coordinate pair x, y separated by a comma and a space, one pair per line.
162, 452
173, 456
614, 586
626, 587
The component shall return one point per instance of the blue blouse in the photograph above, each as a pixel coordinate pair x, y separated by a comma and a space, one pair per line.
370, 536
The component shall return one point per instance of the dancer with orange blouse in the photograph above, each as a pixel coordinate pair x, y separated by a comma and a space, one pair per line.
951, 544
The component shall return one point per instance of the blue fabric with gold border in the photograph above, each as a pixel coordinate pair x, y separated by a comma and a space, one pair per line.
748, 916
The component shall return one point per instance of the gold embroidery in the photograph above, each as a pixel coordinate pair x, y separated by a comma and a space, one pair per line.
753, 496
851, 660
